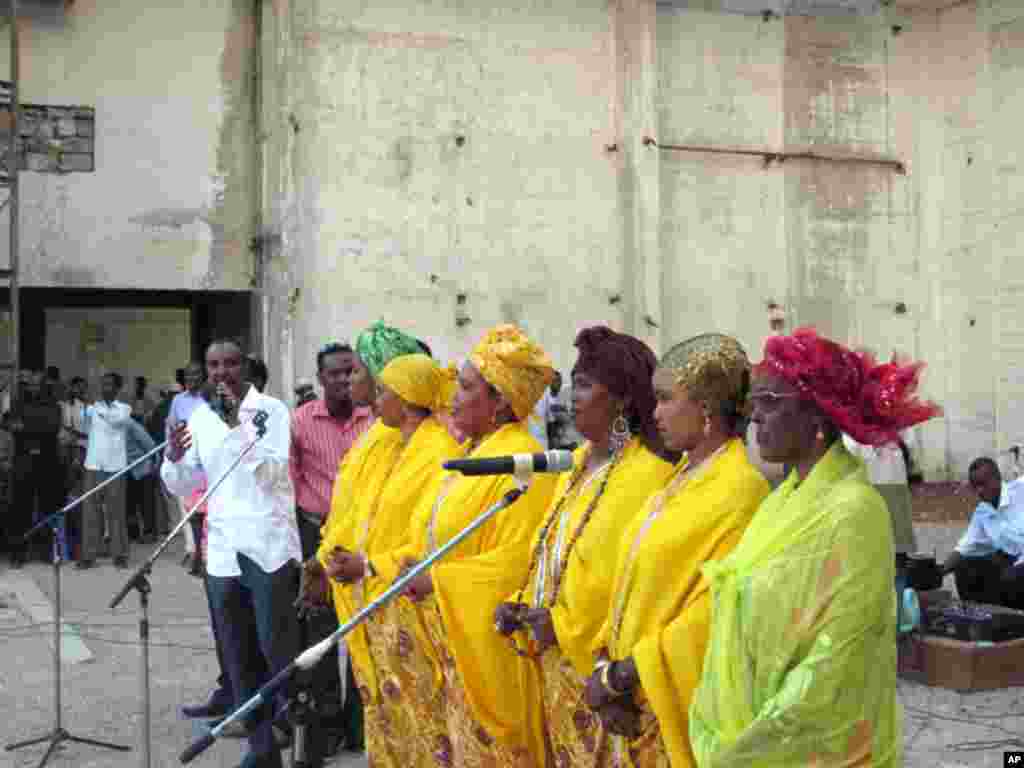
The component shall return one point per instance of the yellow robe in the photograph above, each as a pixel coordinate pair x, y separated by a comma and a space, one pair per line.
374, 497
472, 579
584, 593
377, 444
697, 517
801, 667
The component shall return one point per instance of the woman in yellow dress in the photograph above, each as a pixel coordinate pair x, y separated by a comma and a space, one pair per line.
801, 665
557, 613
412, 388
358, 474
641, 685
463, 687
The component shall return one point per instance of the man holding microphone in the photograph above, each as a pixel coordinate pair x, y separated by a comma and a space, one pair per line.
253, 551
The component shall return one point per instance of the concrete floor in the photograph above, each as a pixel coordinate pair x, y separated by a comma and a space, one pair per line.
101, 688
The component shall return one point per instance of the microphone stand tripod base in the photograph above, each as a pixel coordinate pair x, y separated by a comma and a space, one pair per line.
59, 734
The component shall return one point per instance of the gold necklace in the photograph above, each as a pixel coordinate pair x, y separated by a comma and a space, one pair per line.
573, 492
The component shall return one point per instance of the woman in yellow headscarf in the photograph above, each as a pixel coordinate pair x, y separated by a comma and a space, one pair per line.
357, 483
450, 641
651, 645
565, 597
412, 389
375, 347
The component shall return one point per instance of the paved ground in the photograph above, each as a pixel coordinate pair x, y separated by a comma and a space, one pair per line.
102, 688
944, 729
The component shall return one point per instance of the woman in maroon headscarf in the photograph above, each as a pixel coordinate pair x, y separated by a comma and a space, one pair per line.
801, 661
553, 619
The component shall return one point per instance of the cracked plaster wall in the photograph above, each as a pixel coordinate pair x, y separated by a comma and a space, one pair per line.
172, 203
380, 210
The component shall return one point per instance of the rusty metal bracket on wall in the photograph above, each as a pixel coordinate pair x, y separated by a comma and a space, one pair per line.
772, 156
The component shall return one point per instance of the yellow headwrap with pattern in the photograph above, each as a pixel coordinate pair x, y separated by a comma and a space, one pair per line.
419, 380
515, 366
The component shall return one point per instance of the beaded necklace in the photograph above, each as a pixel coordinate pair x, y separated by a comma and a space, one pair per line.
559, 559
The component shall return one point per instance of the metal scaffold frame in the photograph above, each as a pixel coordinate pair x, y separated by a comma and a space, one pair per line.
13, 366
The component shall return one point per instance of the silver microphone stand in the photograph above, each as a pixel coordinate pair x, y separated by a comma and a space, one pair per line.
59, 734
312, 655
139, 581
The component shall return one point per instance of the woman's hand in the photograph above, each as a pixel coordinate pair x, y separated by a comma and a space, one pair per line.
312, 589
622, 676
508, 618
594, 692
421, 587
345, 567
621, 717
541, 627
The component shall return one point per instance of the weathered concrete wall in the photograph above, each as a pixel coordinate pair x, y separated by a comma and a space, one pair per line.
844, 246
554, 212
427, 151
133, 342
172, 203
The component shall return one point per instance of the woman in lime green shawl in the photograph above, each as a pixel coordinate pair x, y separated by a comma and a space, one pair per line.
801, 661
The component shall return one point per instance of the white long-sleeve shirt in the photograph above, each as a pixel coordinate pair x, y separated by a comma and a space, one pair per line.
253, 511
106, 424
994, 530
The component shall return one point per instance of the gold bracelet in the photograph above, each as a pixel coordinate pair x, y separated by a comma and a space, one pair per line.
606, 682
368, 569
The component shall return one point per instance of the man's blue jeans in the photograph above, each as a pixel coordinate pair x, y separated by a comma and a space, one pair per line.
259, 632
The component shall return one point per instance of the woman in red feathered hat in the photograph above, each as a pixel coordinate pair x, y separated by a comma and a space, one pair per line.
801, 664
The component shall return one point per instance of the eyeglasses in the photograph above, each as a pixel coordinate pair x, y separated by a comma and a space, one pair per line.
770, 399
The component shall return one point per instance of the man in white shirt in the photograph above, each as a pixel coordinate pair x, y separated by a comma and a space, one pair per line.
562, 430
989, 558
184, 403
106, 421
253, 552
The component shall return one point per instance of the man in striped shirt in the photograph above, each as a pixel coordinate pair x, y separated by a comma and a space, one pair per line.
323, 431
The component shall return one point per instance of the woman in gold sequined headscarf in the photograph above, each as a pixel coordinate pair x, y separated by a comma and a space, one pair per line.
457, 677
648, 653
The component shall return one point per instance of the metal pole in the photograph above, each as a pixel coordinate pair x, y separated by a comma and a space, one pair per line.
58, 727
13, 168
144, 677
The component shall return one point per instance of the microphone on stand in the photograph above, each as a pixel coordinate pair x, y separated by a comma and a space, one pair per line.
519, 463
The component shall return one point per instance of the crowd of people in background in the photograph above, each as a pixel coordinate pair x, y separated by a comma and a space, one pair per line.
62, 437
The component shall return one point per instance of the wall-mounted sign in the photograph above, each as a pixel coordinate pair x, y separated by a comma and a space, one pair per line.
50, 139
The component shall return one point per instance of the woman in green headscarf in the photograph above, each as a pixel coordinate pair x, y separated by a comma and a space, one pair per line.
375, 347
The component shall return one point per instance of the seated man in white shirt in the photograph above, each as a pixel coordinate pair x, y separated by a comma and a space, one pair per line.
989, 558
253, 552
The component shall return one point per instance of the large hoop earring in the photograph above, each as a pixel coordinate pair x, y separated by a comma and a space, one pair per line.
620, 433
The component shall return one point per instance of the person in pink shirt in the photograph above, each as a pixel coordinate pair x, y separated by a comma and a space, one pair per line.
323, 431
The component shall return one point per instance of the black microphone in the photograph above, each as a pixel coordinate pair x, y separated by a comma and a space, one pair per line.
549, 461
218, 406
